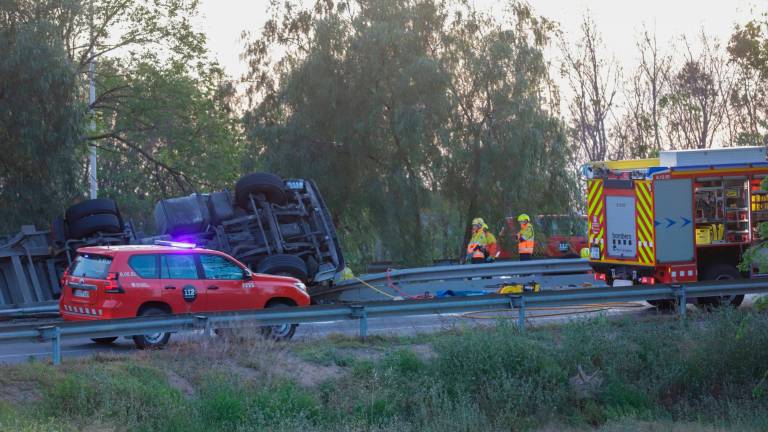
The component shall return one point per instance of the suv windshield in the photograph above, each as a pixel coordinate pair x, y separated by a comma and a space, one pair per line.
91, 266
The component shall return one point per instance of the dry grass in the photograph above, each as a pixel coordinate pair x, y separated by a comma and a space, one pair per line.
707, 374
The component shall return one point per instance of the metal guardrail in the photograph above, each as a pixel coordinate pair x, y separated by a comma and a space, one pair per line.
414, 277
471, 276
53, 333
47, 307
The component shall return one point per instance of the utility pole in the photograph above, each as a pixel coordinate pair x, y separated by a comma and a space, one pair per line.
94, 184
92, 173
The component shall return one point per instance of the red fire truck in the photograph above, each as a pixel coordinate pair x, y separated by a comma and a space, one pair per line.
686, 216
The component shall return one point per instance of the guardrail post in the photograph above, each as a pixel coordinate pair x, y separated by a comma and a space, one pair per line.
53, 334
518, 302
205, 323
359, 312
682, 302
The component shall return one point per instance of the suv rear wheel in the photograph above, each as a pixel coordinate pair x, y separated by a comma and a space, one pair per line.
152, 340
279, 332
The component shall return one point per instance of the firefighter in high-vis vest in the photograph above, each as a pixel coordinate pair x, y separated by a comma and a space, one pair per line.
482, 245
525, 242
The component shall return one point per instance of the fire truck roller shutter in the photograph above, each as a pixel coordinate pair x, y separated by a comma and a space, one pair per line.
673, 218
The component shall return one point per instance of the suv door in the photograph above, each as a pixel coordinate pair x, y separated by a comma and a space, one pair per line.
224, 284
182, 287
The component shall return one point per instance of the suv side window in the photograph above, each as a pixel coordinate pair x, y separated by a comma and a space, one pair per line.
218, 267
178, 266
144, 265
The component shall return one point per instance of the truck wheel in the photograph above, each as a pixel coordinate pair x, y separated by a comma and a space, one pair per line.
91, 207
104, 340
283, 265
721, 272
279, 332
665, 305
92, 224
152, 340
268, 184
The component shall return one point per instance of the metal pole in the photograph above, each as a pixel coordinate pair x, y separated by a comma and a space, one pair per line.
359, 312
92, 172
682, 302
364, 326
52, 333
56, 346
205, 323
521, 314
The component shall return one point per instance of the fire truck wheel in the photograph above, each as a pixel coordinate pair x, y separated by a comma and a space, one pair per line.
721, 272
665, 305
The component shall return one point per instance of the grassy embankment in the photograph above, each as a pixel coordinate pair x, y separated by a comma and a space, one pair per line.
708, 373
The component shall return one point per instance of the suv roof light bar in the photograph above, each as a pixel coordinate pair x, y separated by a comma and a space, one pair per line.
181, 245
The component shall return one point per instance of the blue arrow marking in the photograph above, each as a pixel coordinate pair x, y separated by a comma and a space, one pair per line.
656, 223
670, 222
685, 221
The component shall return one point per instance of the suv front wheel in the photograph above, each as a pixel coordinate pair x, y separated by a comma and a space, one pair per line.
279, 332
152, 340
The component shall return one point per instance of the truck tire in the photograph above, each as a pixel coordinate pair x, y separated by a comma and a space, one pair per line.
721, 272
283, 265
154, 340
268, 184
279, 332
88, 225
91, 207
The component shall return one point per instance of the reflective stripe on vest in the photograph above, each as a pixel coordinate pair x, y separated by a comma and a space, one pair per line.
474, 251
525, 247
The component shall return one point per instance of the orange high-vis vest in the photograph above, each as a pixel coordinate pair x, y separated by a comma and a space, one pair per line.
484, 239
525, 241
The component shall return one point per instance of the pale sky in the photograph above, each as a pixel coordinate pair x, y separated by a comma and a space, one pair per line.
619, 21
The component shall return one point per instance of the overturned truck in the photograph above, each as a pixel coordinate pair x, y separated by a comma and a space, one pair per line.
273, 225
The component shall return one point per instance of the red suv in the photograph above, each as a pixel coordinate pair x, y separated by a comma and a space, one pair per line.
106, 282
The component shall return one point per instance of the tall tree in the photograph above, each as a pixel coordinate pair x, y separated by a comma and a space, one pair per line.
594, 83
748, 51
509, 143
420, 112
40, 120
163, 110
697, 98
639, 129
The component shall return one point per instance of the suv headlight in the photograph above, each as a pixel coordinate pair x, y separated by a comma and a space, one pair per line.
300, 286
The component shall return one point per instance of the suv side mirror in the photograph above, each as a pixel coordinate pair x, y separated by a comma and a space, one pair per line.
247, 274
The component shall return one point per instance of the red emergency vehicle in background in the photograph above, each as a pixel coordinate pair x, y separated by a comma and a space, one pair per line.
556, 236
686, 216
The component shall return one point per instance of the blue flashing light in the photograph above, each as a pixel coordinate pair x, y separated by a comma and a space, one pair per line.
182, 245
